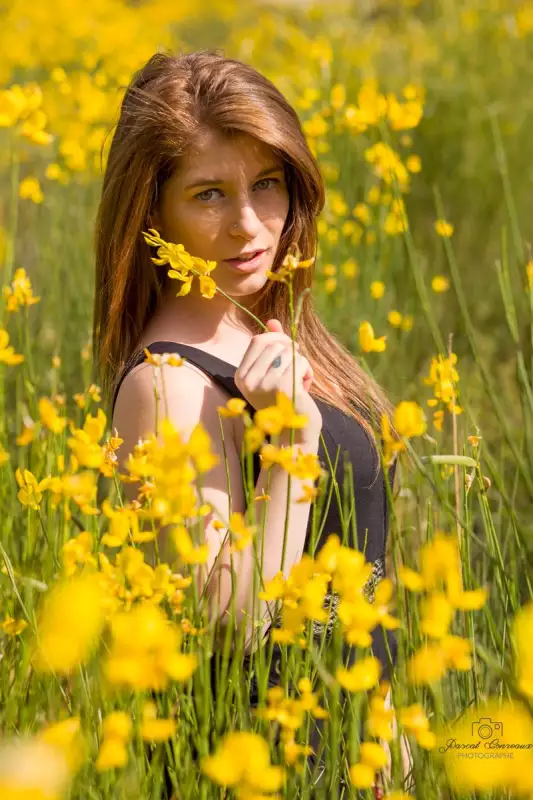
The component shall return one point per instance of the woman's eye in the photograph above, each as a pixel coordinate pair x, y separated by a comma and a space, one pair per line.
266, 180
201, 195
206, 191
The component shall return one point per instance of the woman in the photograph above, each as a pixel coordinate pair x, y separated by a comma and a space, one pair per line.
210, 154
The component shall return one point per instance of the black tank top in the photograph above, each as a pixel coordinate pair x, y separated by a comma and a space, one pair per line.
340, 432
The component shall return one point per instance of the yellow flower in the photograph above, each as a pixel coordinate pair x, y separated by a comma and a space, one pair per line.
7, 353
522, 635
13, 627
184, 266
242, 762
185, 547
350, 268
70, 622
413, 163
240, 531
427, 665
27, 435
430, 663
116, 729
362, 675
407, 323
144, 650
338, 96
30, 189
395, 318
273, 419
436, 616
85, 442
444, 228
529, 273
19, 292
440, 283
49, 416
153, 729
253, 439
380, 717
377, 289
234, 407
373, 754
113, 753
78, 551
415, 721
411, 579
409, 419
362, 213
30, 493
367, 340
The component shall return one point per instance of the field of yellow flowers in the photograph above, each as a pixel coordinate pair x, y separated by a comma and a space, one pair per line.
420, 115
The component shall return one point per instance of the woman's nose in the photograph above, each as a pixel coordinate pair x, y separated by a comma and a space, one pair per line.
245, 221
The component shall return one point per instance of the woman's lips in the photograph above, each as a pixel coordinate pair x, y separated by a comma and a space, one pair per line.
246, 266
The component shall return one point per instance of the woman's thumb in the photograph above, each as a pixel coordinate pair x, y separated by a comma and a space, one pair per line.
274, 325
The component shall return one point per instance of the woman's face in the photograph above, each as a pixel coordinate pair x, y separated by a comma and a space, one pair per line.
229, 197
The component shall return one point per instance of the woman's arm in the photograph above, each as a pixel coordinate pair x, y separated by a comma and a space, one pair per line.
407, 757
192, 398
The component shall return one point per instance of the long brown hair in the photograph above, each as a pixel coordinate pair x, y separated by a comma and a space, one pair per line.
168, 104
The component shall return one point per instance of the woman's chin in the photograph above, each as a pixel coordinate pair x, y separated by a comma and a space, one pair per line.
244, 284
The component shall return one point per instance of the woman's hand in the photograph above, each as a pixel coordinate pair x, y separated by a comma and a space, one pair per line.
258, 380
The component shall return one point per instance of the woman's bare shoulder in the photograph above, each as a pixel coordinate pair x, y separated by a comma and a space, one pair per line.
188, 393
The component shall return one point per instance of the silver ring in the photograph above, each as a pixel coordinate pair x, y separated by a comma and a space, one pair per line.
276, 362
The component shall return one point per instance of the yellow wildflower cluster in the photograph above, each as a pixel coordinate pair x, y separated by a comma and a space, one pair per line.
289, 713
388, 165
172, 465
19, 292
443, 376
291, 263
440, 579
153, 728
86, 450
76, 552
242, 763
128, 578
117, 728
21, 109
92, 393
144, 650
116, 731
372, 757
372, 107
71, 620
303, 594
13, 627
184, 267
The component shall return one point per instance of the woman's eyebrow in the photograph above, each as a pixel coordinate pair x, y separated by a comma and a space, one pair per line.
211, 181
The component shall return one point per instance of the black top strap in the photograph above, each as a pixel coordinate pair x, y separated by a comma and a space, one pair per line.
221, 371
